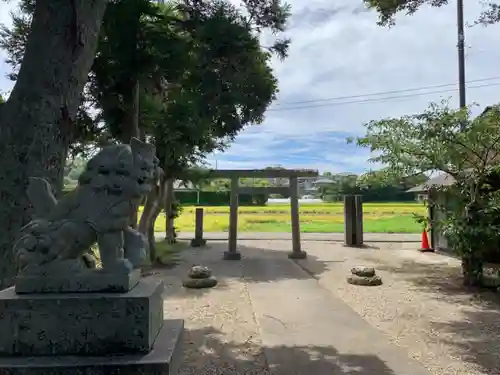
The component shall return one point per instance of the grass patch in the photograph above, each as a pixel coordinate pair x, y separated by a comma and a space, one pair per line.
321, 218
168, 253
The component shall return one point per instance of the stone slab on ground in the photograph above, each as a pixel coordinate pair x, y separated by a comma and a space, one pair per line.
164, 359
86, 282
310, 331
336, 237
81, 323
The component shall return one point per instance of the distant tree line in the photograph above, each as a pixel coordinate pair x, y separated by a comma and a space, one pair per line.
373, 186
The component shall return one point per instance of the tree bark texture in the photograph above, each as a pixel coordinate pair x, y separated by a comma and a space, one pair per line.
131, 115
131, 127
472, 270
169, 212
151, 211
36, 122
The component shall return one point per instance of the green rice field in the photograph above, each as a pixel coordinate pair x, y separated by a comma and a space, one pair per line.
314, 218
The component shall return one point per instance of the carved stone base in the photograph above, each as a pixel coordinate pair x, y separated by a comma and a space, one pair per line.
81, 323
232, 255
91, 281
164, 359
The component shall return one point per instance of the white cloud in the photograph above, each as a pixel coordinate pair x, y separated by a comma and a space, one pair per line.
338, 50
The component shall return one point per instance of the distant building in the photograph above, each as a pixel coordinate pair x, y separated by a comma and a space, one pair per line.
428, 191
306, 186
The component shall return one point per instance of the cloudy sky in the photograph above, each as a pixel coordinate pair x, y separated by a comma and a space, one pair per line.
338, 57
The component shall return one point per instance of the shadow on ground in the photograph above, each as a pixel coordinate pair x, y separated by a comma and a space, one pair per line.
227, 270
205, 353
443, 279
475, 338
475, 332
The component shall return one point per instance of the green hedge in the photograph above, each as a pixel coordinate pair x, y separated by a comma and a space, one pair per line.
210, 198
216, 198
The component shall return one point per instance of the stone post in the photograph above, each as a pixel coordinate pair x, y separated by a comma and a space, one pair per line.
358, 207
198, 239
169, 199
353, 220
349, 221
297, 252
232, 253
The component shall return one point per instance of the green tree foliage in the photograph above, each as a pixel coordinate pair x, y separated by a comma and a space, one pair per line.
202, 73
196, 66
466, 148
374, 186
226, 83
387, 9
13, 40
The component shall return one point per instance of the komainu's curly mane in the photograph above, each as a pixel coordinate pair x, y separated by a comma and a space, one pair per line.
98, 210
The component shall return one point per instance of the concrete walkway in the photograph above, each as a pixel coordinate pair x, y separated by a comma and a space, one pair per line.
306, 329
368, 237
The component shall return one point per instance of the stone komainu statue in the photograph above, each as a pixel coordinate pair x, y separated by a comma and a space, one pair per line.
97, 211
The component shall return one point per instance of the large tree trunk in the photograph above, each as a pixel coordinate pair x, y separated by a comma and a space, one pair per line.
472, 269
37, 120
169, 212
131, 127
131, 116
151, 211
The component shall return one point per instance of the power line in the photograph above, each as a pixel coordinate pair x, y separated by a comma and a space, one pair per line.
372, 100
384, 92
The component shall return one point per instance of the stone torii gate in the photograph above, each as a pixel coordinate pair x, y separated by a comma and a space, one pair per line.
292, 190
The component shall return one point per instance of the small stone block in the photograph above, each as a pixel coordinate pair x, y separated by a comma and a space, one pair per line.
198, 242
92, 281
164, 359
297, 255
208, 282
363, 271
81, 323
232, 255
199, 272
364, 280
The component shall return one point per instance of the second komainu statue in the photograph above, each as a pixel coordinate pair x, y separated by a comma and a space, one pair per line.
98, 211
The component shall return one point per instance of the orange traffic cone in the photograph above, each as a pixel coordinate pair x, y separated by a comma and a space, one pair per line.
425, 243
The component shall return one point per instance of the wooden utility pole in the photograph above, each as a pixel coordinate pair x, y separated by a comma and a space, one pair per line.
461, 53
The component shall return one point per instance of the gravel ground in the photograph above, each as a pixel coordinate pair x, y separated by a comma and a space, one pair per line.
221, 333
421, 306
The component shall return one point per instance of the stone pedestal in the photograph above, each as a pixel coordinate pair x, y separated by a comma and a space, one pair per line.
92, 281
88, 333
